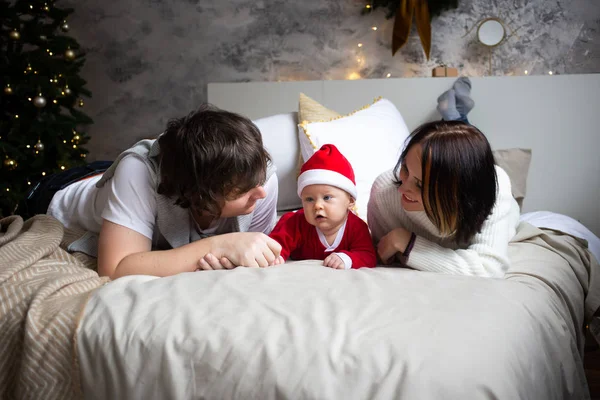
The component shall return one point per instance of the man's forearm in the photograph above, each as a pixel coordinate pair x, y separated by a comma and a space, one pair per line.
165, 262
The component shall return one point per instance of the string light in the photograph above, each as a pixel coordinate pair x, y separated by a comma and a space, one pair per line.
549, 72
526, 72
388, 75
43, 173
368, 6
62, 167
360, 45
374, 28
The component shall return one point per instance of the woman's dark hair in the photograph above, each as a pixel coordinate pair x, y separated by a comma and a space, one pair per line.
459, 176
209, 156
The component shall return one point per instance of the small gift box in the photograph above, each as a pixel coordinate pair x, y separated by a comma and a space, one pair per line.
444, 70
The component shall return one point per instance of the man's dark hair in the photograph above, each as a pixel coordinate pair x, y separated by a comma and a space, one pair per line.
210, 156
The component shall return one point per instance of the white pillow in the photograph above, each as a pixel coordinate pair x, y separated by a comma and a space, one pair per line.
279, 133
371, 138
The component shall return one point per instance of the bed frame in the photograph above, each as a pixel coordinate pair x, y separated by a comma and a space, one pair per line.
558, 117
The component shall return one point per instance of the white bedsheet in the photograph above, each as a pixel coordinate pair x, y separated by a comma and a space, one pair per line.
563, 223
303, 331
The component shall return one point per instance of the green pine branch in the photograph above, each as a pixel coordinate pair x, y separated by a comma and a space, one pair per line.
36, 141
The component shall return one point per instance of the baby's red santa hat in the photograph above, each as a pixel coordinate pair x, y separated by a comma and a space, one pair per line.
328, 167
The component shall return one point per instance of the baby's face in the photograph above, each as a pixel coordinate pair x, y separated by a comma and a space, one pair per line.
326, 207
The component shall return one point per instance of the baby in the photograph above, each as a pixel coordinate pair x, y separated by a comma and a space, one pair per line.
325, 229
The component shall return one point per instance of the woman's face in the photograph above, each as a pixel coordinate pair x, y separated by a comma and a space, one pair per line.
412, 180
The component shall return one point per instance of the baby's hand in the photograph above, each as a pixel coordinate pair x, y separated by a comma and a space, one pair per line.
278, 261
334, 261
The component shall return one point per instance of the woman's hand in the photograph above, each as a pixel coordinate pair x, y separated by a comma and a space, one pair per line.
392, 243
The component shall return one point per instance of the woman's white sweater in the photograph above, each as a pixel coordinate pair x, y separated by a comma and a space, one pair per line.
486, 253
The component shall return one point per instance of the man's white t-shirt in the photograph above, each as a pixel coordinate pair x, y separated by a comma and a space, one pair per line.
129, 199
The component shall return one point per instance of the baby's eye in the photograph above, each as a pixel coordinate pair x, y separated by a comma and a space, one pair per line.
326, 197
308, 199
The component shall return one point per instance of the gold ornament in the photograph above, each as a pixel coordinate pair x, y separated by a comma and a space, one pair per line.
80, 102
39, 146
67, 90
65, 26
15, 35
8, 90
69, 54
39, 101
10, 163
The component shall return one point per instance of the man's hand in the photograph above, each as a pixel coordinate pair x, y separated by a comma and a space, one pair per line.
248, 249
395, 241
334, 261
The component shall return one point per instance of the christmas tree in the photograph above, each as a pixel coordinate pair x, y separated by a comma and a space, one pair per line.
41, 121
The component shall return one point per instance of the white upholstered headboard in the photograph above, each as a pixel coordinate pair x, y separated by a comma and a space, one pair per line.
558, 117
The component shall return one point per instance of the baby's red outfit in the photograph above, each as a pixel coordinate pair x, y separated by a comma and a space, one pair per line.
300, 240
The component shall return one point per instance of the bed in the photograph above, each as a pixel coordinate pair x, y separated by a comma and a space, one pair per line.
301, 331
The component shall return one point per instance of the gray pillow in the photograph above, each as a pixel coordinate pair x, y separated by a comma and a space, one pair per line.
516, 164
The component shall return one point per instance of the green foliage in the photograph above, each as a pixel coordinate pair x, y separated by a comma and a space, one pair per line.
35, 61
436, 7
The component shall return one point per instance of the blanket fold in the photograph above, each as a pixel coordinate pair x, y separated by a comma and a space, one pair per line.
42, 293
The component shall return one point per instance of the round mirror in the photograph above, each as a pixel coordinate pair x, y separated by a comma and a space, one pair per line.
490, 32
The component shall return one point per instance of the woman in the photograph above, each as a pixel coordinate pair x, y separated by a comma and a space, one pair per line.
445, 207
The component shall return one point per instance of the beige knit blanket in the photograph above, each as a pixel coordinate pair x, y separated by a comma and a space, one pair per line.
42, 292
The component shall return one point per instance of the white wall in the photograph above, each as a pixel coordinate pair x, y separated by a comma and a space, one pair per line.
558, 117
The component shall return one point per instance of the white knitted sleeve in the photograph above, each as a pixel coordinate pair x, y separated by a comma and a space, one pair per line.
379, 211
487, 253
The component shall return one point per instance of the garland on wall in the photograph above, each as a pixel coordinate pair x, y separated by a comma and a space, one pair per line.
404, 10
